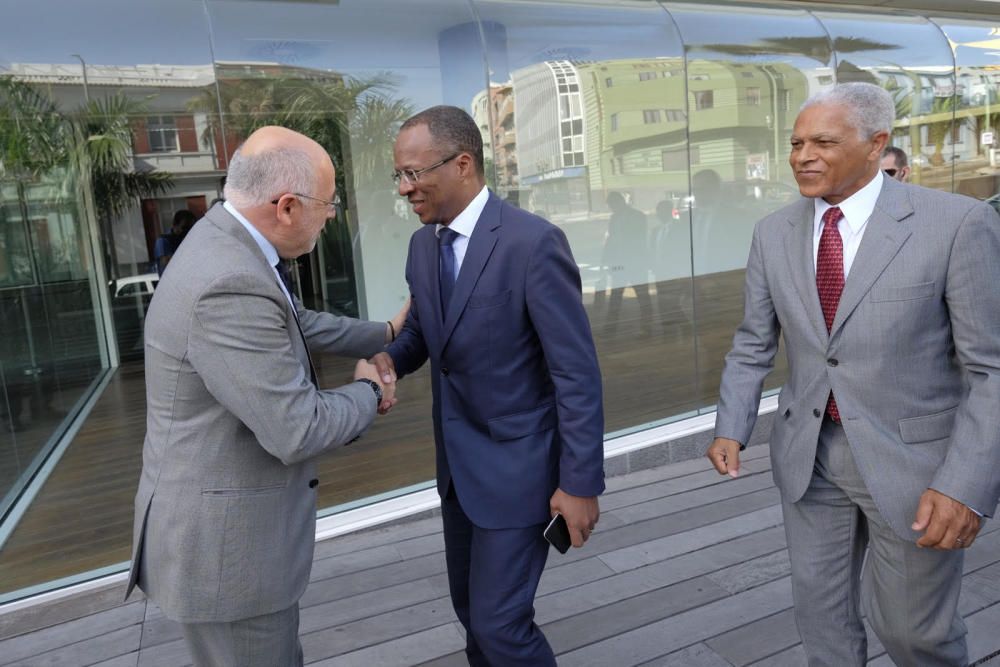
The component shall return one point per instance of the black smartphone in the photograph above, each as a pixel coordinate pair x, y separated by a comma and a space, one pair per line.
557, 533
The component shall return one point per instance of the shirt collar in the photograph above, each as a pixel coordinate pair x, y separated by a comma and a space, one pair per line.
465, 222
857, 208
265, 246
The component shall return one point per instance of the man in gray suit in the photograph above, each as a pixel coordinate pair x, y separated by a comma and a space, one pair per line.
226, 506
887, 435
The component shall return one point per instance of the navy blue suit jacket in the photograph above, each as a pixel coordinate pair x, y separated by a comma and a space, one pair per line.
517, 388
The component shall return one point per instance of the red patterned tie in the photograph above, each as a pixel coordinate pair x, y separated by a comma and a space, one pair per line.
830, 279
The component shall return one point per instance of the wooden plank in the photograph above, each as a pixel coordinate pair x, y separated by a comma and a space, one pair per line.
655, 550
753, 572
36, 643
698, 655
97, 649
407, 650
751, 642
370, 580
378, 630
347, 610
670, 487
677, 632
675, 470
582, 598
170, 654
614, 619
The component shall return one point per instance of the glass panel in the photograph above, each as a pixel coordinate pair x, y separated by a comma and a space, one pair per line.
348, 74
749, 70
602, 179
92, 109
911, 59
977, 108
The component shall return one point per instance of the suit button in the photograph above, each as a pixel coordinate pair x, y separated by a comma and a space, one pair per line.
832, 362
817, 412
444, 370
313, 483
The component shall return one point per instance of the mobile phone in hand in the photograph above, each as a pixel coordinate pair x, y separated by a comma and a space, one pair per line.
557, 533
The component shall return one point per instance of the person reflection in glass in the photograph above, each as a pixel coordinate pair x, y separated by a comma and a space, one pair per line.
625, 260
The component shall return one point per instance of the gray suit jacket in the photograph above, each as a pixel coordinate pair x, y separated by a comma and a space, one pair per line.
226, 506
913, 357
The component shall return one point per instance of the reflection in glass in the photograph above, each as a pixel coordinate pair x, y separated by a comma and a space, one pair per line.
748, 71
588, 125
975, 135
909, 57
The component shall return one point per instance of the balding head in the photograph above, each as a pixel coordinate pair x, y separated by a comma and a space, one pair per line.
272, 161
278, 180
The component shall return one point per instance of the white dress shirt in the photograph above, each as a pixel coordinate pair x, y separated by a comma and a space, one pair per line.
464, 224
857, 209
265, 247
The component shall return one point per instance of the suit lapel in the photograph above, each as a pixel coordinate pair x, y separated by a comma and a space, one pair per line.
481, 244
883, 238
799, 250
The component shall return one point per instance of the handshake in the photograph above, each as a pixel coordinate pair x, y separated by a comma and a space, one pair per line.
380, 370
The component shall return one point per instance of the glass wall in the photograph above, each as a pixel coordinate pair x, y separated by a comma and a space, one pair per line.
910, 57
973, 136
51, 347
653, 134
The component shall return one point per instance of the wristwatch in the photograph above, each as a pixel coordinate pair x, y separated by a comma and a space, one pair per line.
377, 389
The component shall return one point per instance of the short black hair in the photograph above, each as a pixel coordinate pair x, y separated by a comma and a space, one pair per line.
454, 129
898, 154
184, 216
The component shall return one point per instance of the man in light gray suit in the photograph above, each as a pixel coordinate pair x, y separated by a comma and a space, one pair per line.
226, 506
887, 435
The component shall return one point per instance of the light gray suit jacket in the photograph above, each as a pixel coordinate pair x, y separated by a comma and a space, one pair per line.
226, 506
913, 357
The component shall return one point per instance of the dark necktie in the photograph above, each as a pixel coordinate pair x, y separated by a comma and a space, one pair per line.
446, 265
286, 276
830, 279
286, 279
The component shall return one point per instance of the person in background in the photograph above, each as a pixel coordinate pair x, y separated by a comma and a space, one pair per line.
168, 243
887, 434
895, 164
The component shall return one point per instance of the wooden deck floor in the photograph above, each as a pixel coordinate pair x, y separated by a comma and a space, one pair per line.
686, 569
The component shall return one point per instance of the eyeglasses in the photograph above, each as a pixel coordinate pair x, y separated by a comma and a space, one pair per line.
891, 172
332, 205
411, 176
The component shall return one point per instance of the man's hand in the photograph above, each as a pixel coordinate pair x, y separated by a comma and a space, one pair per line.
725, 456
581, 514
385, 366
395, 325
367, 370
946, 523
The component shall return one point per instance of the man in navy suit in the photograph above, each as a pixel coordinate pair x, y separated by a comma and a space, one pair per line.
518, 421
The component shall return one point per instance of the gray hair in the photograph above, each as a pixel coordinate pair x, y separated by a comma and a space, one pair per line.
870, 108
258, 178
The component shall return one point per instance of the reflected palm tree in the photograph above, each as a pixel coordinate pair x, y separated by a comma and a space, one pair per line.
818, 48
92, 144
374, 125
103, 150
326, 107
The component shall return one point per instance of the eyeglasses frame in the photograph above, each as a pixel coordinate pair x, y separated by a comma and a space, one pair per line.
412, 176
333, 205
